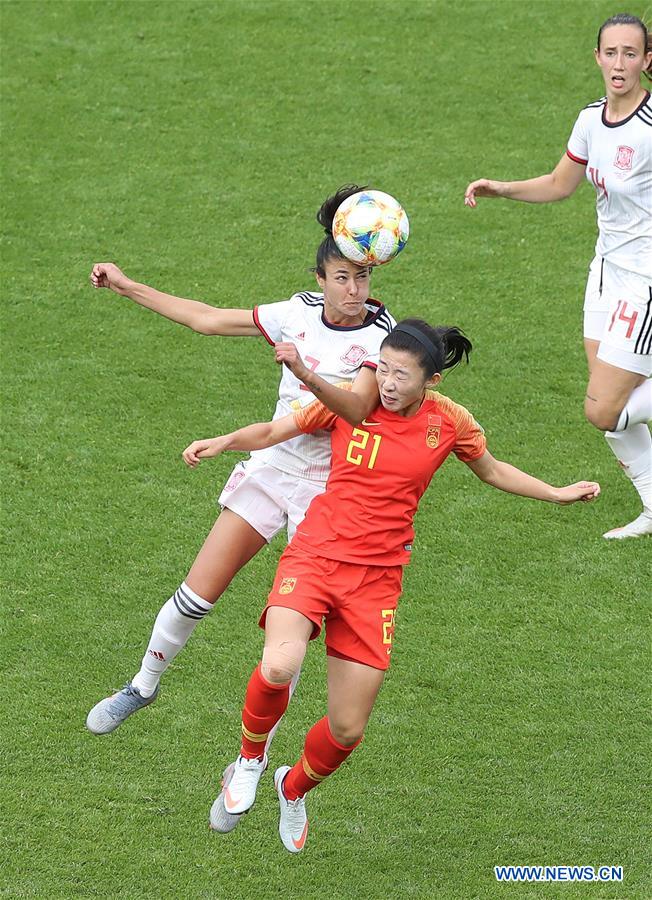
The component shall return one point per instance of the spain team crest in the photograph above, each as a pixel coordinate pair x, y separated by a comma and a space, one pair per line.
354, 355
234, 481
433, 431
287, 585
623, 158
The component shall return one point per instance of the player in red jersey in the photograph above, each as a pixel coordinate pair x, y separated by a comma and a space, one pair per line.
345, 563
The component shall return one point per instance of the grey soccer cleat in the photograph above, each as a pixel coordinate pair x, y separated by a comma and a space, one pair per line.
110, 713
219, 819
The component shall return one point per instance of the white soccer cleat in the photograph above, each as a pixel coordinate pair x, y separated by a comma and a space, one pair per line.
239, 794
219, 819
293, 824
640, 526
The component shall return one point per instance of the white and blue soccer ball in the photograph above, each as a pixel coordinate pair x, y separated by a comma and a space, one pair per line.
370, 228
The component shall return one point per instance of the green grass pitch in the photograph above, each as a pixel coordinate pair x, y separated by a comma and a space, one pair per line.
192, 142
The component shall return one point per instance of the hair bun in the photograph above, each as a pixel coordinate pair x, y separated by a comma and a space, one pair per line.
330, 206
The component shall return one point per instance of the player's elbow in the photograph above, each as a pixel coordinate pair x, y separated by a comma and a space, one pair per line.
561, 188
490, 472
272, 435
207, 322
276, 432
202, 328
358, 407
354, 416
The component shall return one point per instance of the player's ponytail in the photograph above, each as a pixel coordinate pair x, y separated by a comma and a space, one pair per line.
435, 348
457, 345
328, 249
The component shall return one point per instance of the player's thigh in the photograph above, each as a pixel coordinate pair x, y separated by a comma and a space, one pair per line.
607, 393
626, 340
591, 350
283, 625
230, 544
352, 691
596, 310
596, 302
258, 494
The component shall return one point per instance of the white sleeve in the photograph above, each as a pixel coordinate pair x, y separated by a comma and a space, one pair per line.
371, 362
270, 317
578, 148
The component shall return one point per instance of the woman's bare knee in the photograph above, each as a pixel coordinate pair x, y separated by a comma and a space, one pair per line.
287, 633
282, 661
607, 393
602, 418
347, 731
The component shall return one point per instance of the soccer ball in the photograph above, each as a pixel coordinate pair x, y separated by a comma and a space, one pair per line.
370, 228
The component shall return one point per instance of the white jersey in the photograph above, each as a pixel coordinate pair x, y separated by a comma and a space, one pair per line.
618, 160
335, 352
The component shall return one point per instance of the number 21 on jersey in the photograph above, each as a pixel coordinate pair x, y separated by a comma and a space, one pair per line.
357, 451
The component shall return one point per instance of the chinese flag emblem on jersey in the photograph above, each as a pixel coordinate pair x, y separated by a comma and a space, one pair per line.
287, 585
433, 431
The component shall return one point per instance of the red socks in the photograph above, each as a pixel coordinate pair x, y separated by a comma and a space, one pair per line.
264, 705
322, 755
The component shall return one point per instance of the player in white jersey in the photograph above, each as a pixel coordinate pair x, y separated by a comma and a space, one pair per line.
339, 330
611, 145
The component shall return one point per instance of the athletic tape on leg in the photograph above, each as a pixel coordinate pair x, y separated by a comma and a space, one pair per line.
282, 662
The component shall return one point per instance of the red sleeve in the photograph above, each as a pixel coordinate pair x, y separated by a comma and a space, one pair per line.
315, 417
470, 440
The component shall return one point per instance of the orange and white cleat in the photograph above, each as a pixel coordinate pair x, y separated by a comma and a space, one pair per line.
639, 527
219, 819
293, 824
239, 793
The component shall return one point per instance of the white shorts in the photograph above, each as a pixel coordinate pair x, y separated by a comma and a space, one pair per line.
268, 499
618, 314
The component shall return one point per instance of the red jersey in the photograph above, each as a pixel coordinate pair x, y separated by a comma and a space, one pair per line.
379, 472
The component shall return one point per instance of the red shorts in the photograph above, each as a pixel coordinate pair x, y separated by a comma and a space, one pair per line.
357, 602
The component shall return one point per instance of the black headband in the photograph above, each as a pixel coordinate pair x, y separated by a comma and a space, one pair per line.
425, 342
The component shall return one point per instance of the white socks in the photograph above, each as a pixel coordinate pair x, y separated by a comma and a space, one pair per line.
633, 449
174, 624
638, 408
631, 442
